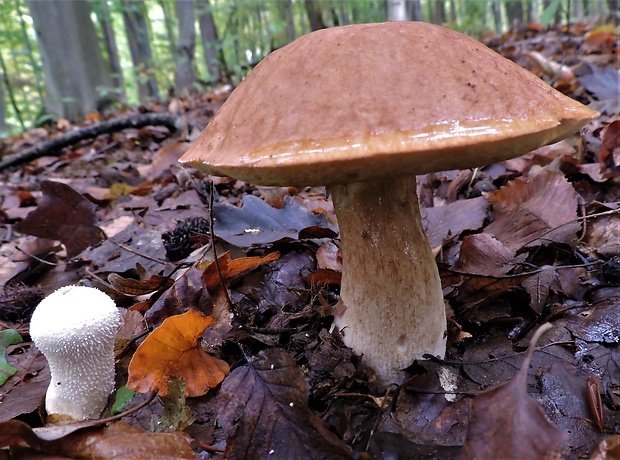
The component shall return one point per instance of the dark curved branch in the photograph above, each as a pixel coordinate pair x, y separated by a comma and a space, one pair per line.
53, 146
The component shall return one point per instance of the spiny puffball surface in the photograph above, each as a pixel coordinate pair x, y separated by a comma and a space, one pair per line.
75, 327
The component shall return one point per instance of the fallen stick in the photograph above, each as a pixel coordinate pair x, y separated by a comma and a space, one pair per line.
53, 146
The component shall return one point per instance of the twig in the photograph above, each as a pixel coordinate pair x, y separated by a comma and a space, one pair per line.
216, 261
53, 146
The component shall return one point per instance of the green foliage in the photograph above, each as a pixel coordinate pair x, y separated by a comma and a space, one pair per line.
7, 337
550, 12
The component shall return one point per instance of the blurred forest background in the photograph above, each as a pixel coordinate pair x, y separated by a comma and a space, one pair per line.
66, 59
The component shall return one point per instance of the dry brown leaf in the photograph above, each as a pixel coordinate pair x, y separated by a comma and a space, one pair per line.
263, 407
123, 441
231, 268
449, 221
506, 423
483, 254
173, 350
65, 215
537, 211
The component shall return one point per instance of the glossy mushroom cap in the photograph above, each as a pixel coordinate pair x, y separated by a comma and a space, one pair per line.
349, 104
74, 327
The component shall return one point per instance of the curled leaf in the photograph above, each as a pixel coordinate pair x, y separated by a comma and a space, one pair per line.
173, 351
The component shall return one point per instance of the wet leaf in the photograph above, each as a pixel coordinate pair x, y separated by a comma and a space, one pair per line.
256, 223
173, 350
537, 211
263, 407
506, 423
65, 215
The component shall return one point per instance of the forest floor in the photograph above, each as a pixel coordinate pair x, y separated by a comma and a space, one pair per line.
117, 212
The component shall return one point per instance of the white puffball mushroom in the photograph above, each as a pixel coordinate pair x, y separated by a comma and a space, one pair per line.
75, 327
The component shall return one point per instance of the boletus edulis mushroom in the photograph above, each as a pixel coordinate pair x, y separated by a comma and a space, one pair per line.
363, 109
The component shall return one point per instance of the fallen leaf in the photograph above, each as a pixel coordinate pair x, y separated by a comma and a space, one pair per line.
538, 287
263, 407
603, 83
483, 254
173, 350
256, 223
608, 449
602, 235
146, 283
24, 391
538, 211
449, 221
232, 268
65, 215
506, 423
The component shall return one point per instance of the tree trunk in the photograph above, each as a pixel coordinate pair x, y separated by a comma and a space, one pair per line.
109, 38
397, 10
497, 15
72, 60
134, 17
169, 25
453, 15
185, 76
4, 128
440, 13
290, 23
210, 40
313, 10
416, 10
514, 10
33, 63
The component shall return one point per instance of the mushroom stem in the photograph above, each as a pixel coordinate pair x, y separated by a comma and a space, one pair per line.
394, 309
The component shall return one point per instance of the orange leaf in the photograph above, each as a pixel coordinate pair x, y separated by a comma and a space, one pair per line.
173, 350
231, 268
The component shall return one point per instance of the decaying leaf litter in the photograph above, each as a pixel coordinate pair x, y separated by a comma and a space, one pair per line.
521, 243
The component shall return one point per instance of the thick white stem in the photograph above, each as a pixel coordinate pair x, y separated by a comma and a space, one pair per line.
391, 289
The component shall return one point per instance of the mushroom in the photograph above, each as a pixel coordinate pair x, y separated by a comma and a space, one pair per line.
74, 327
362, 109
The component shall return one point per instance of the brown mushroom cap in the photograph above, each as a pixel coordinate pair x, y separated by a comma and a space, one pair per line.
351, 103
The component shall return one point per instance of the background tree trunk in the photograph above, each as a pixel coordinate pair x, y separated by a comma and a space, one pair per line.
514, 9
134, 17
185, 76
169, 25
313, 10
290, 23
497, 15
210, 40
397, 10
4, 128
35, 65
109, 39
439, 16
416, 10
73, 64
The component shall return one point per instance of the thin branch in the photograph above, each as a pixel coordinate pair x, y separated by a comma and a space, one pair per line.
54, 146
